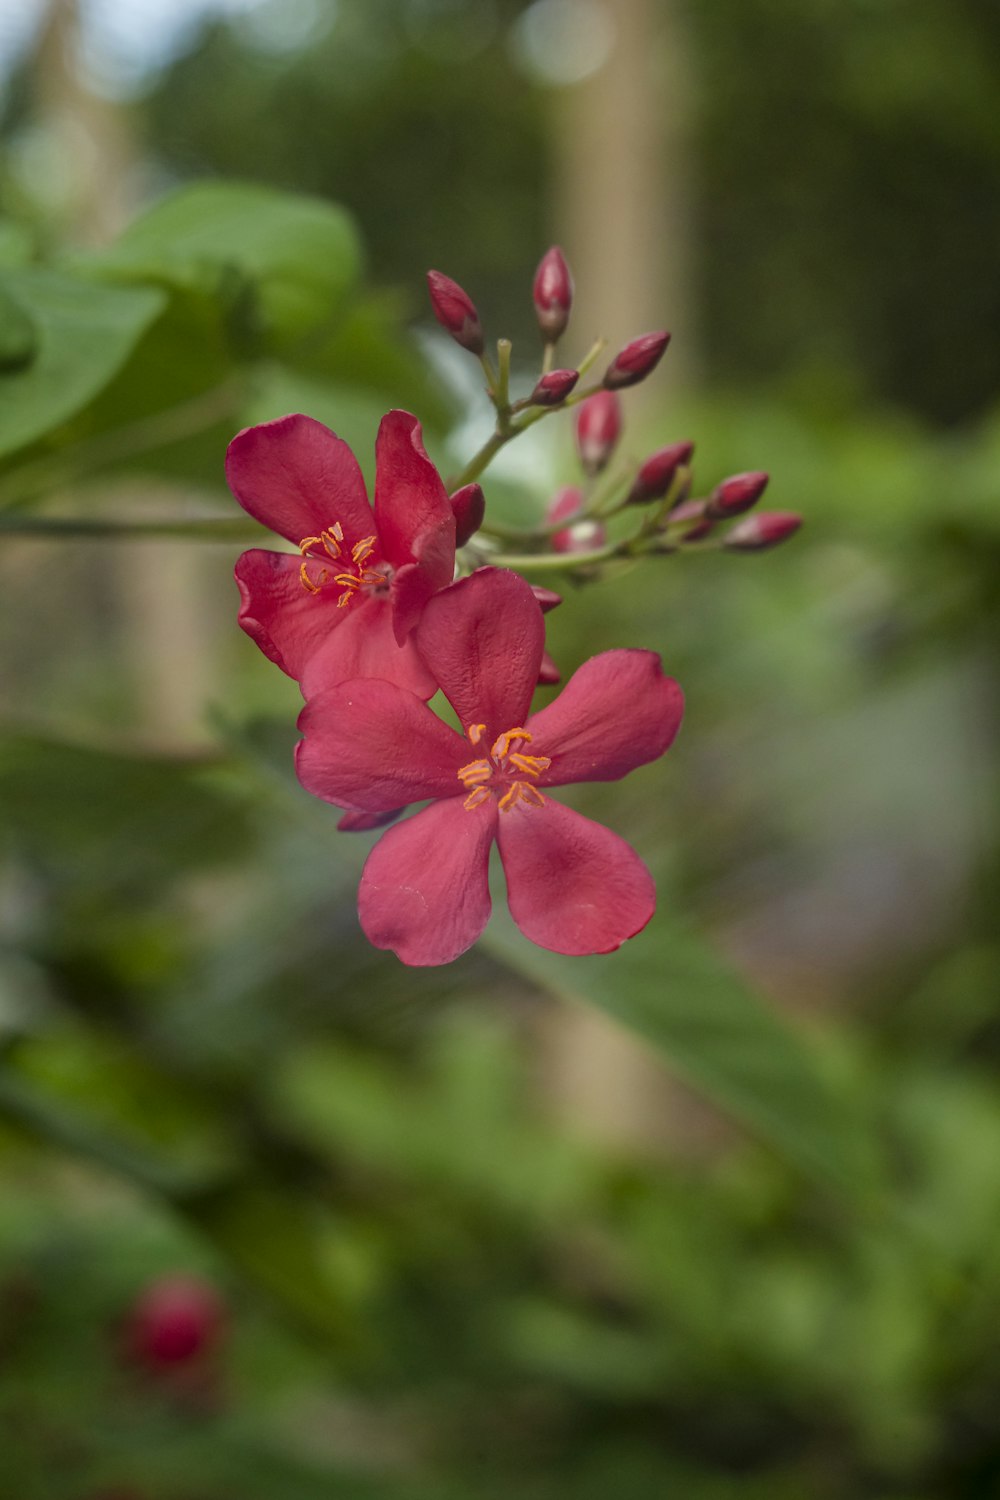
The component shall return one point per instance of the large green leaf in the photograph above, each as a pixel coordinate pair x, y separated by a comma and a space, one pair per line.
672, 989
84, 332
279, 263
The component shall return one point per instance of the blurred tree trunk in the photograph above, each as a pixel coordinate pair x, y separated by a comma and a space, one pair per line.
155, 592
622, 185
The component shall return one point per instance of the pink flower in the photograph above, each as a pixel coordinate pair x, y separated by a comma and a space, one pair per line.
347, 604
371, 747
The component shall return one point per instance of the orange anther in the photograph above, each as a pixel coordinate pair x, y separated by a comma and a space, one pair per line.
476, 732
476, 772
307, 582
363, 549
476, 798
531, 765
502, 744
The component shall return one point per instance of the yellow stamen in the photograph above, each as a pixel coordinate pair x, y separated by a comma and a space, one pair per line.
363, 549
475, 773
476, 732
307, 582
531, 765
344, 599
476, 798
531, 794
501, 745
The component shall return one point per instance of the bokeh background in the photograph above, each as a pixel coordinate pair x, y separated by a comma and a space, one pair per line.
715, 1217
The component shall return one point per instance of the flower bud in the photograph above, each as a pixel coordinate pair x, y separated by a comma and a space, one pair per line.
547, 598
765, 529
656, 473
635, 361
455, 311
177, 1319
692, 515
598, 428
469, 505
554, 387
361, 822
553, 294
735, 495
548, 672
581, 537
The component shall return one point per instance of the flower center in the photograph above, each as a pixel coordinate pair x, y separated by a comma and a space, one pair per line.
353, 570
502, 773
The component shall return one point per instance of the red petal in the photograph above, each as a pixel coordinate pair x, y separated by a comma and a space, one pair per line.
573, 885
298, 477
288, 622
618, 711
371, 746
482, 639
424, 890
416, 523
365, 646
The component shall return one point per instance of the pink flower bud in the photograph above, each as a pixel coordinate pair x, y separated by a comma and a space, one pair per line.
548, 672
765, 529
657, 471
581, 537
455, 311
469, 505
547, 598
735, 495
553, 294
554, 387
691, 514
177, 1319
598, 428
635, 361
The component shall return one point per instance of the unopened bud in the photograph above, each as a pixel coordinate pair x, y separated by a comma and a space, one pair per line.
735, 495
656, 473
547, 598
469, 505
553, 294
177, 1319
554, 387
585, 534
548, 672
635, 361
765, 529
598, 428
455, 311
691, 515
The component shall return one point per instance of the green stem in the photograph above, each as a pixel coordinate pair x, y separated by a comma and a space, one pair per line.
545, 562
59, 528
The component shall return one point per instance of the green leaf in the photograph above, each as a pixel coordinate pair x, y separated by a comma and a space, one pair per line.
671, 988
18, 336
85, 333
280, 264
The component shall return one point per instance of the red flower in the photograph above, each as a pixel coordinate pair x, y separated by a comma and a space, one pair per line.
347, 604
176, 1319
371, 747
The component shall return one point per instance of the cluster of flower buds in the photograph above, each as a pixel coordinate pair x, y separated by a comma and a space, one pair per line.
378, 608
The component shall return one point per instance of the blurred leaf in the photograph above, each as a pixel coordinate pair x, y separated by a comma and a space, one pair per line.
85, 333
279, 263
18, 336
671, 988
133, 818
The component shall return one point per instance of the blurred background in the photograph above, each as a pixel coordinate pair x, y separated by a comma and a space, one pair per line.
715, 1217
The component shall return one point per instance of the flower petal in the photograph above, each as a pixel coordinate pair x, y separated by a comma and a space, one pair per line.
371, 746
424, 889
412, 508
365, 646
618, 711
482, 639
288, 622
360, 822
573, 886
298, 477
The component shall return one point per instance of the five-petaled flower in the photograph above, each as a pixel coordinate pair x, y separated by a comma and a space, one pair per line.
346, 605
372, 747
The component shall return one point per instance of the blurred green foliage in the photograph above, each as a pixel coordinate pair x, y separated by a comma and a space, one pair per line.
442, 1286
